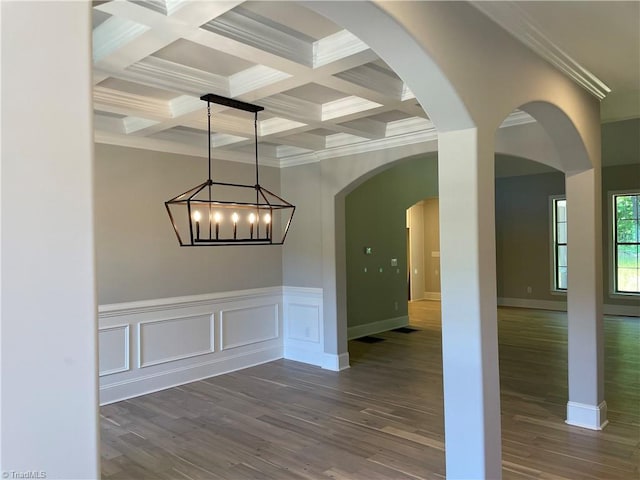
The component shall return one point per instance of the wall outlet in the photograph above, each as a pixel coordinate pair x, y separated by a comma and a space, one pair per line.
529, 289
395, 305
394, 262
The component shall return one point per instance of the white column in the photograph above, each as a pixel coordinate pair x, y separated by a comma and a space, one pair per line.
469, 311
586, 407
333, 278
48, 346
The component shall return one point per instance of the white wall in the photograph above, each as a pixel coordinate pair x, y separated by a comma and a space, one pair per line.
48, 346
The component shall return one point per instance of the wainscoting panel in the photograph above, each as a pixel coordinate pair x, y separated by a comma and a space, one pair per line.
303, 329
163, 341
113, 348
306, 326
244, 326
180, 340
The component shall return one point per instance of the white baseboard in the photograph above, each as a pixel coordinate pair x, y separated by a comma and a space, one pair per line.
336, 362
593, 417
432, 296
142, 385
377, 327
560, 306
621, 310
533, 303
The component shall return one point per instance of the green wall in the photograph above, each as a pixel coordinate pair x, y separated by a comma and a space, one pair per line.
375, 217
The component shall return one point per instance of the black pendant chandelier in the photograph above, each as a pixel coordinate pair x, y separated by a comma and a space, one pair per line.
218, 213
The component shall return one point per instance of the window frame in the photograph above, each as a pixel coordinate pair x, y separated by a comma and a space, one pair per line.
553, 224
613, 239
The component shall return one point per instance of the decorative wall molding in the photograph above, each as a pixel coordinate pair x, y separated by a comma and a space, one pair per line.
246, 325
218, 333
195, 332
303, 328
182, 339
377, 327
113, 346
513, 18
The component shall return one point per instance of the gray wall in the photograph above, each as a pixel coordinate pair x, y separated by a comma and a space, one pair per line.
138, 256
523, 250
302, 259
375, 217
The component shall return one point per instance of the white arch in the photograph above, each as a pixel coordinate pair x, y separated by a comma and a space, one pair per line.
402, 52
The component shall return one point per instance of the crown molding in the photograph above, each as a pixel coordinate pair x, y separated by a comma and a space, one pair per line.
114, 33
165, 74
129, 104
253, 78
288, 106
335, 47
168, 146
375, 80
250, 29
363, 147
346, 106
399, 133
513, 18
408, 125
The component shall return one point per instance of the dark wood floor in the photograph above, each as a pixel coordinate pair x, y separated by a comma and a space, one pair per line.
382, 418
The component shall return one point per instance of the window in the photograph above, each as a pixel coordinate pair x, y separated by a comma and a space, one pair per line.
626, 240
559, 207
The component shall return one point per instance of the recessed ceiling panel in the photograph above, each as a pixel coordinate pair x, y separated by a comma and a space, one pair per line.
203, 58
315, 93
98, 17
390, 116
295, 16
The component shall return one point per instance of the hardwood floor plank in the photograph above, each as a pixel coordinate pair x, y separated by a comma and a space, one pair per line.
383, 417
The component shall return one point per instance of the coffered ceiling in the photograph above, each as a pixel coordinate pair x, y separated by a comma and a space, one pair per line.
324, 91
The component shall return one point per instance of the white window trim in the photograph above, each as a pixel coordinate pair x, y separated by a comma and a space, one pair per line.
612, 243
554, 290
